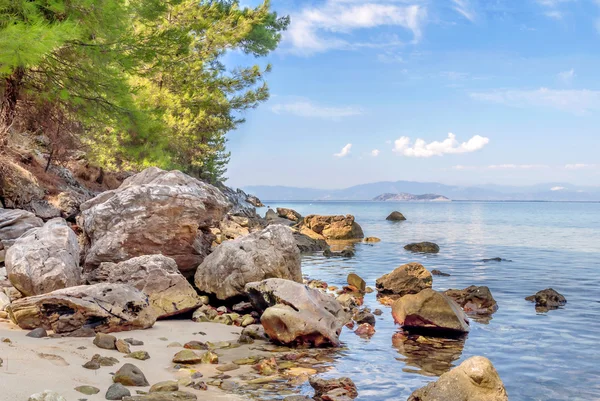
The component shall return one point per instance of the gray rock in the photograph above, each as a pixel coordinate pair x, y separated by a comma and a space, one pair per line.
105, 341
85, 310
14, 223
547, 299
116, 392
44, 259
271, 252
307, 244
37, 333
169, 293
153, 212
423, 247
47, 395
396, 216
294, 313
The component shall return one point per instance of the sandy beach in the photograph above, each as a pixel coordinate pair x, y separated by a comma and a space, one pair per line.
33, 365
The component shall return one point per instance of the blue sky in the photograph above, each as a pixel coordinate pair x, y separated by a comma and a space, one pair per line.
454, 91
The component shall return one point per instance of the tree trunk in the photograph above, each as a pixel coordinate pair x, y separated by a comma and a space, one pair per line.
8, 106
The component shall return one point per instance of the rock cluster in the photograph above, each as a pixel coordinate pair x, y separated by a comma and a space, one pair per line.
331, 228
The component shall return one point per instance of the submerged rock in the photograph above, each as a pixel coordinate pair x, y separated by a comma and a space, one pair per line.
547, 299
495, 260
423, 247
473, 380
44, 259
436, 272
271, 252
169, 293
155, 211
430, 311
475, 300
410, 278
332, 227
294, 313
396, 216
326, 389
372, 240
85, 310
427, 355
346, 253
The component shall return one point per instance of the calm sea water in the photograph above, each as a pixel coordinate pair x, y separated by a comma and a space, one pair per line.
539, 356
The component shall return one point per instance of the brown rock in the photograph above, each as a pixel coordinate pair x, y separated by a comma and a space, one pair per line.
396, 216
105, 341
187, 356
130, 375
423, 247
333, 227
406, 279
473, 380
289, 214
324, 387
122, 347
355, 280
475, 300
547, 299
365, 330
430, 311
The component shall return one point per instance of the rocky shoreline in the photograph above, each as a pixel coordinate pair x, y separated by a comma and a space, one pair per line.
186, 291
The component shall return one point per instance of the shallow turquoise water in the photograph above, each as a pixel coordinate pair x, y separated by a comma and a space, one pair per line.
541, 357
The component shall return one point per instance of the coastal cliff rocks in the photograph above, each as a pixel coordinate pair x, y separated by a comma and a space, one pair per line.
430, 311
474, 300
289, 214
153, 212
331, 228
406, 279
44, 259
475, 379
254, 201
395, 216
241, 204
85, 310
169, 293
269, 253
14, 223
423, 247
296, 314
308, 244
547, 299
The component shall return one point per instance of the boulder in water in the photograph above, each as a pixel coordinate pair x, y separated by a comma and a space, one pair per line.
396, 216
332, 227
410, 278
269, 253
475, 300
473, 380
547, 299
430, 311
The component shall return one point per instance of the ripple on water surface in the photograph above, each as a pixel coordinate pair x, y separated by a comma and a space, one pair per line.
539, 356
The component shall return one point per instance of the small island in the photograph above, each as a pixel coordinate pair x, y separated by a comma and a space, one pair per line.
405, 197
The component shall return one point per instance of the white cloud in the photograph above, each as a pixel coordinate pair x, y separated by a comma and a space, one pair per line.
574, 101
375, 152
305, 108
464, 8
553, 8
390, 58
557, 188
345, 151
449, 145
579, 166
567, 76
329, 26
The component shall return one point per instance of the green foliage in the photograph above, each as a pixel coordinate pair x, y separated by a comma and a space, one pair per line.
145, 81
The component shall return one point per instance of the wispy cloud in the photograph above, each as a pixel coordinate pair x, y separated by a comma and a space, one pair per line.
450, 145
330, 26
553, 8
567, 76
557, 188
344, 152
390, 57
574, 101
305, 108
579, 166
375, 152
465, 8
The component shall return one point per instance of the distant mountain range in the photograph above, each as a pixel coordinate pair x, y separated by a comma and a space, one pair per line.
404, 197
541, 192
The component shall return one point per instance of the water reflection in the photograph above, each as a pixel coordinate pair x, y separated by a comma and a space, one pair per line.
427, 356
